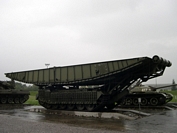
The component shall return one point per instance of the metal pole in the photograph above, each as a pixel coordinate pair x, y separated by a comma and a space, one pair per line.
47, 65
139, 101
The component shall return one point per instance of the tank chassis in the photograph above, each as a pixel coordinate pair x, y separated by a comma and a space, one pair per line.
149, 96
91, 86
9, 95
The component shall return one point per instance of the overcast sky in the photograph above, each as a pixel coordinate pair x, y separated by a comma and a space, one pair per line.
65, 32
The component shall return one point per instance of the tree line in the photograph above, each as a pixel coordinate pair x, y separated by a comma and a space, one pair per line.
173, 88
20, 86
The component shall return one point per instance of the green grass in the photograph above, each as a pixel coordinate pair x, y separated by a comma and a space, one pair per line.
174, 93
32, 98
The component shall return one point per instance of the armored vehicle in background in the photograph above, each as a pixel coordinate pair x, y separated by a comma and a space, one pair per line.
8, 93
149, 96
91, 86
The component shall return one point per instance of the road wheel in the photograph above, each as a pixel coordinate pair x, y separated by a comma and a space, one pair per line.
80, 107
3, 100
26, 97
62, 106
16, 100
135, 101
70, 106
90, 107
21, 100
129, 101
47, 106
55, 106
123, 102
144, 101
154, 101
10, 100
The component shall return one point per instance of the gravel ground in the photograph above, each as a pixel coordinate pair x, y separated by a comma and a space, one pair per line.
12, 124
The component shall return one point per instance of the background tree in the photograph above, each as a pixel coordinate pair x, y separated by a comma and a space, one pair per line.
173, 87
20, 86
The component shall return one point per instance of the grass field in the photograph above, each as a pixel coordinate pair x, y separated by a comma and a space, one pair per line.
32, 98
174, 93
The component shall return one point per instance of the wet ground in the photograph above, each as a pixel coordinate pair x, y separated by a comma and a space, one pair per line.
160, 121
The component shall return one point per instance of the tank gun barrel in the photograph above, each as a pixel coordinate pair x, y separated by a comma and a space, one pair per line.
161, 87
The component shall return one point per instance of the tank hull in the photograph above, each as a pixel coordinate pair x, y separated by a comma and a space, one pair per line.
13, 96
147, 99
69, 99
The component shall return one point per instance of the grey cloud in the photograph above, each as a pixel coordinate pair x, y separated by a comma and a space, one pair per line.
63, 32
